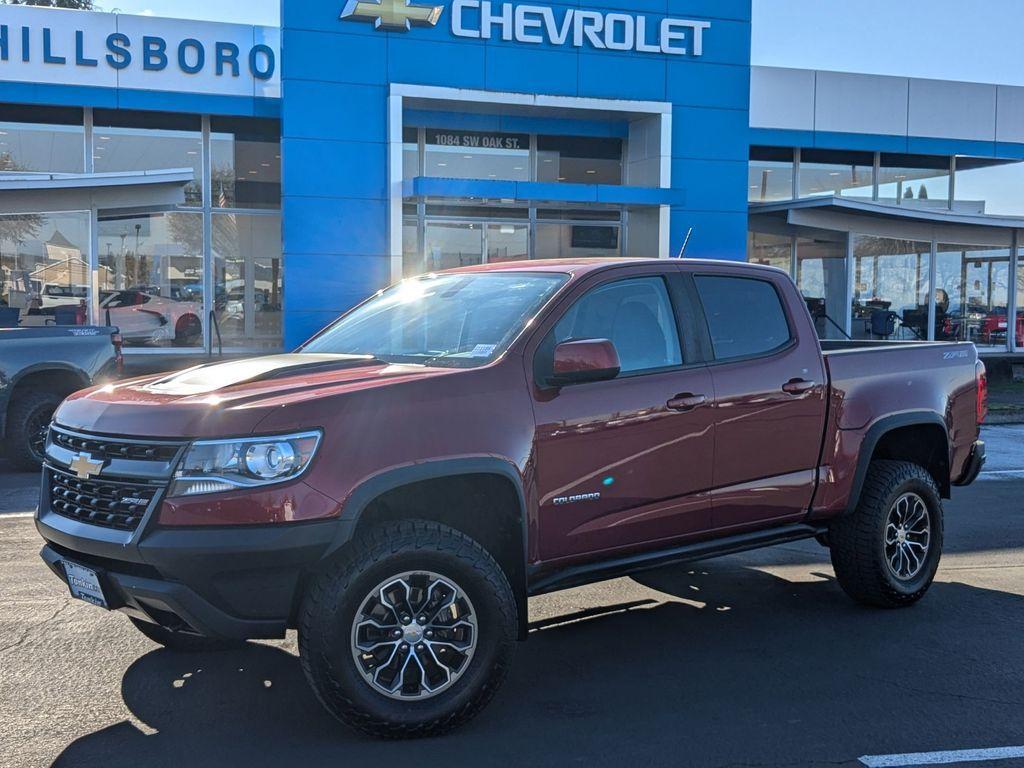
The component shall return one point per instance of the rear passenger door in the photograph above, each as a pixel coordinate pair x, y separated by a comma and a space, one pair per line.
624, 463
770, 397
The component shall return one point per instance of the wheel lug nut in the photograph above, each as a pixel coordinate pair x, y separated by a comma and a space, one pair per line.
406, 619
397, 633
430, 633
422, 619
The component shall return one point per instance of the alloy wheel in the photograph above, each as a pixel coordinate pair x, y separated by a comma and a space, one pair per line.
414, 635
907, 536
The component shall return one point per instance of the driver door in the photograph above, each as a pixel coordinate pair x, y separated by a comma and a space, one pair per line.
624, 463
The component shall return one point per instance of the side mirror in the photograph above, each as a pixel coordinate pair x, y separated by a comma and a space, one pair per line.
586, 360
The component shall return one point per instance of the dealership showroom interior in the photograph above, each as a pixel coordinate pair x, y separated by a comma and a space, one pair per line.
230, 189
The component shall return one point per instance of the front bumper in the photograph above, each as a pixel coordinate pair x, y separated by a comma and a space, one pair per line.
975, 463
239, 583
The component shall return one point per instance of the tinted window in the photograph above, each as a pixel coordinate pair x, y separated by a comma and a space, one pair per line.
635, 315
745, 316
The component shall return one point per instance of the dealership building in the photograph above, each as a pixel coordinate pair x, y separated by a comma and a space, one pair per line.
212, 187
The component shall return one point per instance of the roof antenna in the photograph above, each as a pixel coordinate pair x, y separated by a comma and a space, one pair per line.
686, 242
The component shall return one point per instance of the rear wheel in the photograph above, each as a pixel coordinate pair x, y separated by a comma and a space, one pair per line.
183, 641
27, 422
887, 551
411, 633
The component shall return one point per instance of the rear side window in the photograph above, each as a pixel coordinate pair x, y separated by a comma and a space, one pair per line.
745, 316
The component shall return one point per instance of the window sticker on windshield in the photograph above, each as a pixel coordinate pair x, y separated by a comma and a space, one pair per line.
483, 350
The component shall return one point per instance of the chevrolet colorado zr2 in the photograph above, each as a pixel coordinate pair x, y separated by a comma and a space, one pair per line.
399, 486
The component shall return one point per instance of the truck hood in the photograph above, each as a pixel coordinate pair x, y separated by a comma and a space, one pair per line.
227, 399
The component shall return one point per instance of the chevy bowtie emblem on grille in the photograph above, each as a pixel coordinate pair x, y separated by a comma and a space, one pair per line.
395, 15
85, 466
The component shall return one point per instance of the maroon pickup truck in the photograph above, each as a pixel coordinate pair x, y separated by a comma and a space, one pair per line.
397, 488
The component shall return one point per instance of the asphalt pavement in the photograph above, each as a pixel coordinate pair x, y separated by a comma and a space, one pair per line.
751, 660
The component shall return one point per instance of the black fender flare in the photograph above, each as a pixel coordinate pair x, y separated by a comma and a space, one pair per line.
374, 487
876, 432
12, 383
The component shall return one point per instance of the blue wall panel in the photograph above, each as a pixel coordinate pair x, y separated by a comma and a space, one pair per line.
336, 77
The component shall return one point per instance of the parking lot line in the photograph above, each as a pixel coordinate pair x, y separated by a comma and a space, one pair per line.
942, 758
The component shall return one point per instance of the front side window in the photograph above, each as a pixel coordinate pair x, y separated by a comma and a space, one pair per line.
635, 315
454, 320
745, 316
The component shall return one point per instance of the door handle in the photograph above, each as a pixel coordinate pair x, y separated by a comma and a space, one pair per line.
798, 386
686, 402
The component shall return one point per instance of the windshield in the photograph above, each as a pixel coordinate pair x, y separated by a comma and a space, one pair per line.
462, 320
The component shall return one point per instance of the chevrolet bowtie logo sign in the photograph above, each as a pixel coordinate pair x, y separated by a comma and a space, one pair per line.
85, 466
395, 15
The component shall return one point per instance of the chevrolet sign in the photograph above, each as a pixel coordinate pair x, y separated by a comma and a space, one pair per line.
537, 24
482, 19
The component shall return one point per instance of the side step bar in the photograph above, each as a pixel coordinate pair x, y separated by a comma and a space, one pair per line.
577, 575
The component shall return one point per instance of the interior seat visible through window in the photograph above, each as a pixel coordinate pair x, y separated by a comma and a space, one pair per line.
635, 315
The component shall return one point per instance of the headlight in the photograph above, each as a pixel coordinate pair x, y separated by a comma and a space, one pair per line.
214, 466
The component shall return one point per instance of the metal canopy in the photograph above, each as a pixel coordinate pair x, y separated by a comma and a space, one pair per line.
887, 211
44, 193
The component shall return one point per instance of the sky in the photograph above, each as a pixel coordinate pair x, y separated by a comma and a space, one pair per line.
945, 39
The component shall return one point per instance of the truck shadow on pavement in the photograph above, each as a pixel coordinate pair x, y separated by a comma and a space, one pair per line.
720, 664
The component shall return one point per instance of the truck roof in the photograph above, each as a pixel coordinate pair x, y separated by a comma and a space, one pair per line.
583, 266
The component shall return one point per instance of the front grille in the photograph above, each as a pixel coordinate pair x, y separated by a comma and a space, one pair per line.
105, 448
108, 503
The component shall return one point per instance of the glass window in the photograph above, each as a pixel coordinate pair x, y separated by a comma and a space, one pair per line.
410, 152
456, 154
451, 244
890, 288
577, 241
1020, 301
455, 320
412, 261
770, 174
41, 140
44, 267
245, 158
920, 180
821, 278
635, 315
248, 281
994, 187
830, 172
507, 242
151, 278
745, 316
770, 250
125, 141
579, 159
972, 294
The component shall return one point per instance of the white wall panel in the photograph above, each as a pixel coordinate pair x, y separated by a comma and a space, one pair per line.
951, 110
852, 103
782, 98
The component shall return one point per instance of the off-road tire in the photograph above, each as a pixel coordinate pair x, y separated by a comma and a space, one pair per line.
28, 413
334, 596
183, 641
857, 540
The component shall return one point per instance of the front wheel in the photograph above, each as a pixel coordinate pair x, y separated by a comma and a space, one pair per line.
410, 633
886, 552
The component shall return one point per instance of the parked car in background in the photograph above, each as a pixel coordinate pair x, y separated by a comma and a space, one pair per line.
399, 487
146, 318
39, 367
